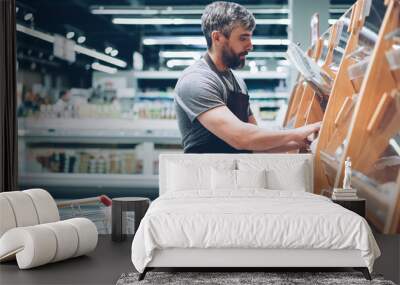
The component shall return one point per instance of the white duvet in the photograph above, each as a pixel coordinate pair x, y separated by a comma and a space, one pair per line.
250, 219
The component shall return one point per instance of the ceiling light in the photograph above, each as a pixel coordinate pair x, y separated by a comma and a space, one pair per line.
272, 22
114, 52
28, 16
181, 21
35, 33
100, 56
70, 35
156, 21
194, 10
104, 68
179, 62
201, 41
78, 48
168, 10
81, 39
149, 41
108, 50
265, 54
181, 54
198, 54
104, 11
269, 42
16, 9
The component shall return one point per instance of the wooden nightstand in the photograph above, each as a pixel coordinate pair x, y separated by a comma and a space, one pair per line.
356, 205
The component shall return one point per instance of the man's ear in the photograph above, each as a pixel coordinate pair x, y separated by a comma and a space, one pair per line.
216, 38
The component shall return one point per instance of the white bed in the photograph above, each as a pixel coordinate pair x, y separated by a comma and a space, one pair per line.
234, 226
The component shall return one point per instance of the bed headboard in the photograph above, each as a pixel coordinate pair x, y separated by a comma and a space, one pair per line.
164, 159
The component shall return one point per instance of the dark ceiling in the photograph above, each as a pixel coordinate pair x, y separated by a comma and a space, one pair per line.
61, 16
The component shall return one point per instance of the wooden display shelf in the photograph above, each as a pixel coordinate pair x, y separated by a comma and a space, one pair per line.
361, 117
305, 106
300, 87
310, 109
374, 121
342, 89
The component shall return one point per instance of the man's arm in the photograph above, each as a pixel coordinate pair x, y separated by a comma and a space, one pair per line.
247, 136
287, 147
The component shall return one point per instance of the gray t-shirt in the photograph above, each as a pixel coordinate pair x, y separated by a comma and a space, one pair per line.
198, 90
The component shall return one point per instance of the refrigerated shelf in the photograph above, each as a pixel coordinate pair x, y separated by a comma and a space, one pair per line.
103, 135
89, 180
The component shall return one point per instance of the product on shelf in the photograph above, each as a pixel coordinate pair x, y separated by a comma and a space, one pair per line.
115, 163
85, 161
154, 110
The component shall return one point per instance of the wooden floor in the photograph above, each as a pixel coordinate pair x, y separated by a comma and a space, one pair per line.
110, 259
103, 266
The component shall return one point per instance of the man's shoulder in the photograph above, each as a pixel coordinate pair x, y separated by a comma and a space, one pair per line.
199, 79
198, 69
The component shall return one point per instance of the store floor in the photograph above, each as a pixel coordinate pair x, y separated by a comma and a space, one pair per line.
102, 266
110, 259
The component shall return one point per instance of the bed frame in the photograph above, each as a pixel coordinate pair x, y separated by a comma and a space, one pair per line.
247, 258
242, 259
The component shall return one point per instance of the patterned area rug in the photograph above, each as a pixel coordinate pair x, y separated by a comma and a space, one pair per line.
242, 278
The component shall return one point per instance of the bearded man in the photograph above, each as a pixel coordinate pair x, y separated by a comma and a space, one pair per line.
212, 103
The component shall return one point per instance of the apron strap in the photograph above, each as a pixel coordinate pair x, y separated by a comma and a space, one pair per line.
211, 64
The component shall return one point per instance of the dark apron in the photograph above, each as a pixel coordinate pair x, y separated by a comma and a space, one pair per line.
238, 104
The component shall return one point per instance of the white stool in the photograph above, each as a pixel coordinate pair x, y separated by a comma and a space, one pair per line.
31, 230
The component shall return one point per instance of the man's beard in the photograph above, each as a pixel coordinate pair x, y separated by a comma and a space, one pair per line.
232, 60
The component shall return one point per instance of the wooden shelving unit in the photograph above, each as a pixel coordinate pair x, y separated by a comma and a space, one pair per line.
362, 116
376, 117
341, 100
296, 101
306, 104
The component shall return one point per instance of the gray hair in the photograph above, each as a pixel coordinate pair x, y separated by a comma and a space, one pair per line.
224, 17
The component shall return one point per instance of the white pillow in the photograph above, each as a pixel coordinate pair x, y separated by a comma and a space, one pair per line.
293, 180
251, 178
282, 173
183, 178
223, 179
193, 175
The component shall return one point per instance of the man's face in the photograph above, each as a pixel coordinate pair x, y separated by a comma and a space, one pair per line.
236, 47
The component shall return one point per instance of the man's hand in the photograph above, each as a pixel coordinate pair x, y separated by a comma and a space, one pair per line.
302, 133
